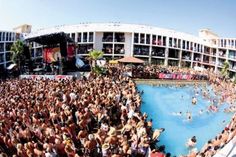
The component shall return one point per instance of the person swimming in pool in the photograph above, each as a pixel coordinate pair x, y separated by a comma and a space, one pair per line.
194, 100
189, 116
177, 113
201, 112
191, 142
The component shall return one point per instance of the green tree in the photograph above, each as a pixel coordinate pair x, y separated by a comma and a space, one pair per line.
94, 56
17, 55
225, 69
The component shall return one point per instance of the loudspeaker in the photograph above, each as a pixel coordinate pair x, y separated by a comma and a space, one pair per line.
26, 52
63, 49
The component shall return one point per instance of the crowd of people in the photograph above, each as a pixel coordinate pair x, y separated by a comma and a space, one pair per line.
93, 116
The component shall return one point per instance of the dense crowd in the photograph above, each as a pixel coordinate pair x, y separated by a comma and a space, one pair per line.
93, 116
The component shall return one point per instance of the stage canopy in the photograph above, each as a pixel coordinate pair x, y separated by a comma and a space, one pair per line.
130, 60
50, 39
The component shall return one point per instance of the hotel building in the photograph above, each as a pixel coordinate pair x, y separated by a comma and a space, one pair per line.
152, 44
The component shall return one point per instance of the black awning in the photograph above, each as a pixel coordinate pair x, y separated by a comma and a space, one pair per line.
51, 39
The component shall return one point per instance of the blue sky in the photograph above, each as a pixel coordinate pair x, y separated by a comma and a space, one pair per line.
182, 15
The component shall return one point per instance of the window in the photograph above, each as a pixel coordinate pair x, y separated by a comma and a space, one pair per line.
170, 42
107, 48
90, 36
147, 38
164, 41
73, 36
159, 42
119, 37
179, 43
8, 56
1, 57
154, 39
3, 36
141, 50
84, 48
136, 37
1, 47
183, 46
173, 53
8, 46
158, 51
119, 49
175, 42
0, 36
142, 38
107, 37
79, 37
187, 45
7, 36
85, 36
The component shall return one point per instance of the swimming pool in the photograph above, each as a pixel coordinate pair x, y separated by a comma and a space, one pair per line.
162, 103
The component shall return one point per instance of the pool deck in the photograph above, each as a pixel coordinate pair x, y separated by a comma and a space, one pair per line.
169, 82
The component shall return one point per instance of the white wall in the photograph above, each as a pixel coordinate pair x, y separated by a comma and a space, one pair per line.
128, 44
98, 40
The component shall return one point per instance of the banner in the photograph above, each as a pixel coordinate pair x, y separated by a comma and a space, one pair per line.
175, 76
50, 77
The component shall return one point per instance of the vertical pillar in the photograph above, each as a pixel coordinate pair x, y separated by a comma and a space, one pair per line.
192, 55
217, 60
132, 44
180, 58
166, 56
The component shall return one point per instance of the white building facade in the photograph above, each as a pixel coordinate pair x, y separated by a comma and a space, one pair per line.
152, 44
6, 40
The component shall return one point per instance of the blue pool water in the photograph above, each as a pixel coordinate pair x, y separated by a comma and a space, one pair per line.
161, 102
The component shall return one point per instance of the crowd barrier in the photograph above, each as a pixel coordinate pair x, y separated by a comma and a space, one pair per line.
174, 76
51, 77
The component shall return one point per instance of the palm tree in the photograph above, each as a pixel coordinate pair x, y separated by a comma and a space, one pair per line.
225, 69
17, 55
94, 55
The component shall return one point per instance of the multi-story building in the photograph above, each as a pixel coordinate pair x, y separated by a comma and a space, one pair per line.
152, 44
6, 40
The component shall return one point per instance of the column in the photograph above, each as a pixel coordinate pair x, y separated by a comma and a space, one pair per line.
132, 44
227, 54
217, 61
166, 56
82, 37
4, 60
94, 38
150, 50
192, 57
180, 58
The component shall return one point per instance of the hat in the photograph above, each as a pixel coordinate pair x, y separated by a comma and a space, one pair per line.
105, 146
112, 131
90, 137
